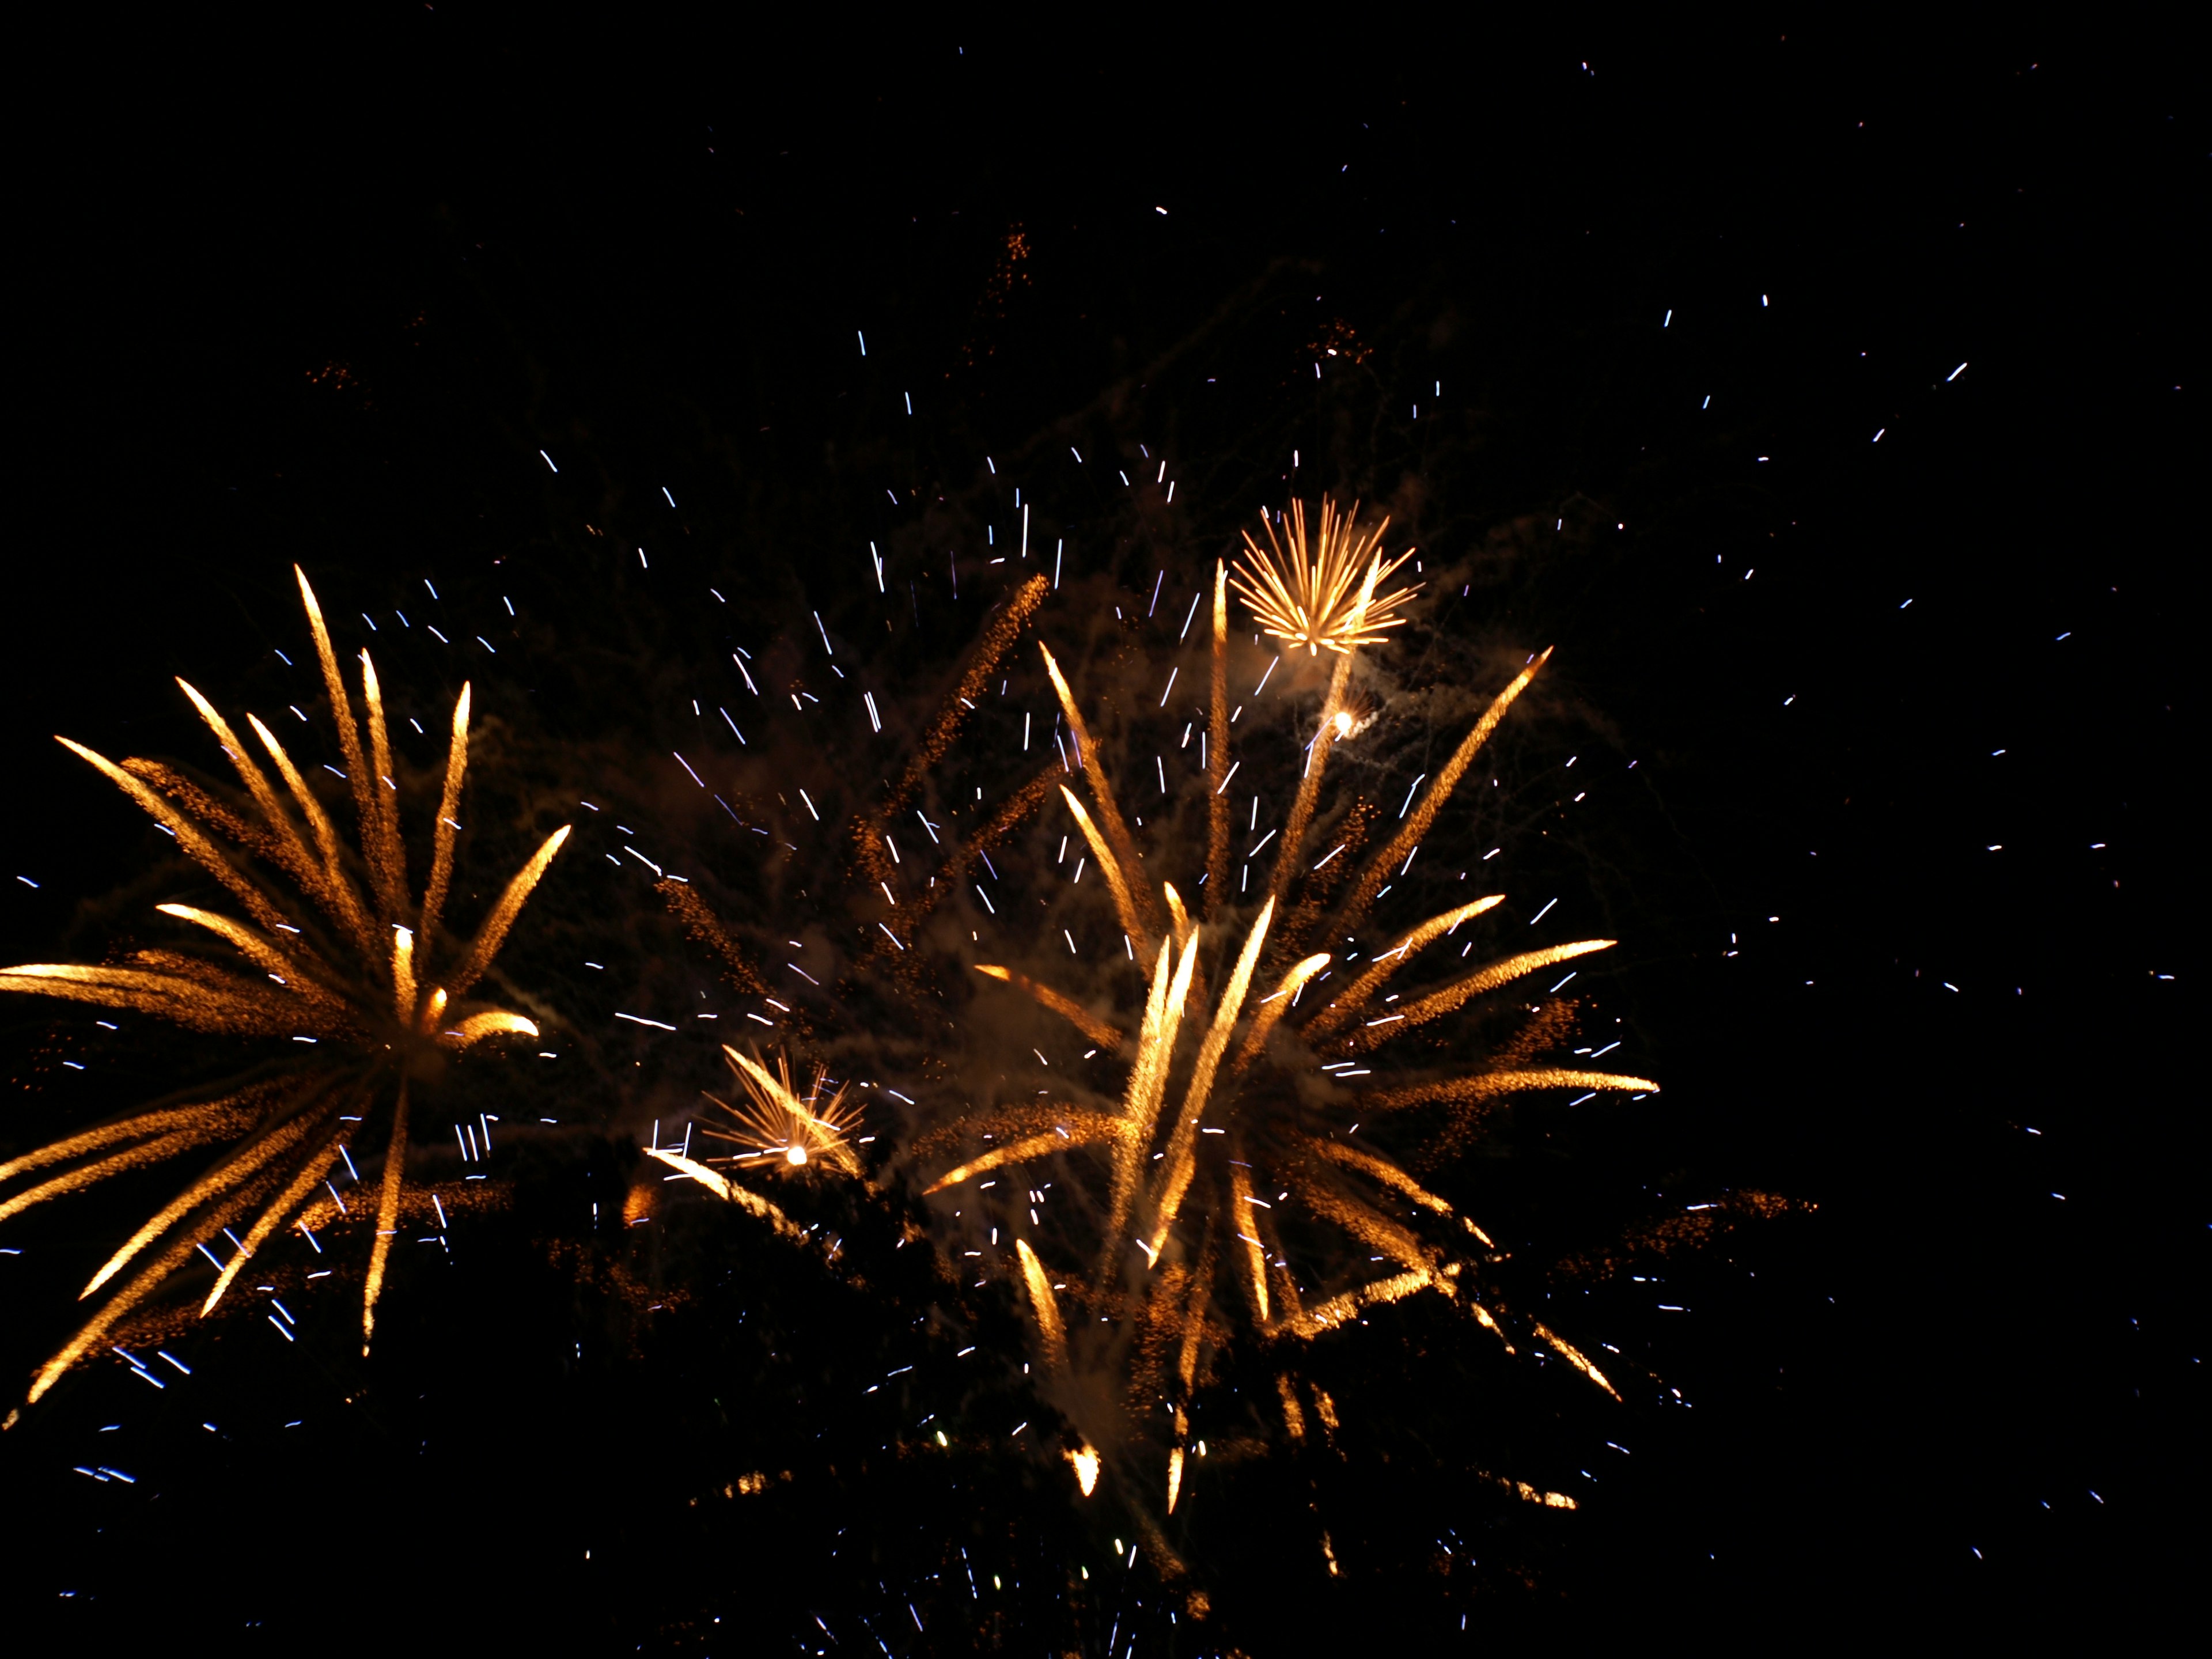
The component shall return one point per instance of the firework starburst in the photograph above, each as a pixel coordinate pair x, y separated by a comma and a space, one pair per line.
776, 1126
361, 976
1307, 591
779, 1132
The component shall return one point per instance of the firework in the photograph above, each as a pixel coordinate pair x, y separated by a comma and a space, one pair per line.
1220, 1192
779, 1132
1307, 592
776, 1126
361, 976
1217, 1166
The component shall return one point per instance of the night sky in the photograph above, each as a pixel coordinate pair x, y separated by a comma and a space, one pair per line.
1822, 398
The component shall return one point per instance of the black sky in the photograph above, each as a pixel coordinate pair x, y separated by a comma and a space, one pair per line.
1922, 698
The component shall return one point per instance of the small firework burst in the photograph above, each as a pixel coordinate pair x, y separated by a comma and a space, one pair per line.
362, 977
779, 1130
1307, 591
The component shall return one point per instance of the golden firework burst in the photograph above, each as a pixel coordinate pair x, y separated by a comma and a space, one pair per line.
1220, 1166
363, 976
781, 1130
1307, 591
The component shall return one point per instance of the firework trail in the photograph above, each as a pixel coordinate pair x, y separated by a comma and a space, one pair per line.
363, 976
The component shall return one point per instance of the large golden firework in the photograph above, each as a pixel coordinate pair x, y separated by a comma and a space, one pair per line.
363, 977
1308, 592
1219, 1166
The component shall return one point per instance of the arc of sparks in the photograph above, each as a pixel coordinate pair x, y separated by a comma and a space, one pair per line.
449, 807
963, 855
334, 892
264, 953
1217, 758
357, 765
1573, 1356
1339, 1012
1179, 920
1489, 978
1333, 724
309, 1178
1383, 1173
1102, 791
952, 713
387, 862
144, 1152
1247, 1234
1045, 1306
1371, 1227
387, 1216
173, 1121
1178, 1167
1487, 1085
1132, 915
1193, 1328
1440, 790
1348, 1305
493, 933
1107, 1036
1076, 1129
1147, 1084
202, 851
750, 1202
228, 1003
298, 862
704, 926
1272, 1008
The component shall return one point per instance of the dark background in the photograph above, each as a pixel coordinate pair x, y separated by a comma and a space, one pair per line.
325, 301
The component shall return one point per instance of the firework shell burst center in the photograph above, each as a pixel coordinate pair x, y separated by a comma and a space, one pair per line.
348, 985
